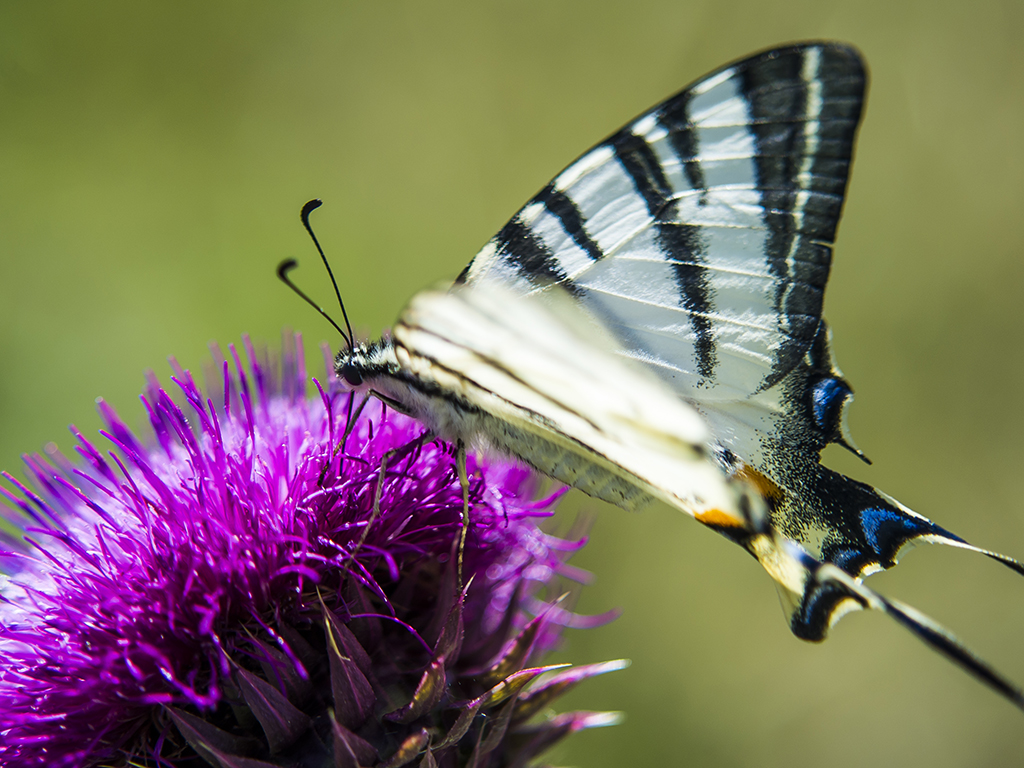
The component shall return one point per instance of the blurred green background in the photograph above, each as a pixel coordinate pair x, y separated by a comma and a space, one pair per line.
153, 159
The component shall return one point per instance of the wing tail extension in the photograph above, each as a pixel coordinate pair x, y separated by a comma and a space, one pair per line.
830, 592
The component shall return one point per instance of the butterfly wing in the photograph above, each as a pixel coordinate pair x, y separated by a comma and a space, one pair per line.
701, 237
544, 383
701, 234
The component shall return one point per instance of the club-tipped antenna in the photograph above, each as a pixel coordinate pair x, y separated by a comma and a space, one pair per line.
287, 266
307, 209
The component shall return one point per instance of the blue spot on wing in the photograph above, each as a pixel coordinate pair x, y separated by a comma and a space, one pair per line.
886, 530
826, 399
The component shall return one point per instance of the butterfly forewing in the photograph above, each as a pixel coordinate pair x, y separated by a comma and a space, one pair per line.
701, 232
541, 384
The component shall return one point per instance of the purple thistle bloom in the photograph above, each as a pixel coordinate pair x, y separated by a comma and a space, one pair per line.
245, 593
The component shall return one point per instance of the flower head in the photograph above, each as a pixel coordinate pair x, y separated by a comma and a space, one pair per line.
260, 586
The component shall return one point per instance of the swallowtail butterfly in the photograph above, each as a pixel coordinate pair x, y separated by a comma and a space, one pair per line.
649, 325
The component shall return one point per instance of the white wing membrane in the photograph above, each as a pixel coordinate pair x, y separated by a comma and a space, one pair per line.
725, 197
540, 371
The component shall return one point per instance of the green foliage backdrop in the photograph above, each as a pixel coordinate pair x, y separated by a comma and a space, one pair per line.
153, 159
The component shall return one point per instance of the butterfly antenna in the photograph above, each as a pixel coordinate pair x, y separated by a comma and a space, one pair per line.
307, 209
287, 266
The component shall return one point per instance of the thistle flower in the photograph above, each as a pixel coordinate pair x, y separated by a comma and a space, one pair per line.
254, 587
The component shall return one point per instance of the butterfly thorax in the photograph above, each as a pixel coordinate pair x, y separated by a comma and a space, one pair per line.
375, 369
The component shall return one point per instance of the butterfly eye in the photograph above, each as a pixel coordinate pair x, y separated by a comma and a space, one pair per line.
827, 400
351, 374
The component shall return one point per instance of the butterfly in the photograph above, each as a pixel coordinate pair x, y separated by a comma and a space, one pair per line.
649, 325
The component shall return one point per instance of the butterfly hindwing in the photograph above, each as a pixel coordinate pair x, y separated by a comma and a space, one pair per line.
701, 234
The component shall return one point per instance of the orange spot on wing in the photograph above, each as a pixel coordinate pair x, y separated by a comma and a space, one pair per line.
763, 484
719, 519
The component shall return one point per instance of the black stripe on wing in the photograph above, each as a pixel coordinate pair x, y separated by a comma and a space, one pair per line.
521, 247
518, 244
565, 210
674, 117
805, 105
680, 242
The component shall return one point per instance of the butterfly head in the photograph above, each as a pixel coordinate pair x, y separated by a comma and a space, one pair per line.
374, 369
371, 368
362, 365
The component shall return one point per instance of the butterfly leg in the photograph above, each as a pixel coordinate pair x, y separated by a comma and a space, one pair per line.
376, 500
460, 463
350, 422
385, 459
